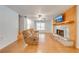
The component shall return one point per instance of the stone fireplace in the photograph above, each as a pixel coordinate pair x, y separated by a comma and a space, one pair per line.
63, 31
60, 32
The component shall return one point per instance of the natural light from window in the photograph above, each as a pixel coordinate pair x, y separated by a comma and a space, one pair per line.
40, 26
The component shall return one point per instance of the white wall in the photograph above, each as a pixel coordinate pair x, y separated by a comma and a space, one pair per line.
8, 26
49, 26
77, 41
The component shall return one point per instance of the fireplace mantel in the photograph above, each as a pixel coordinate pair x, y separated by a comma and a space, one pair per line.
64, 22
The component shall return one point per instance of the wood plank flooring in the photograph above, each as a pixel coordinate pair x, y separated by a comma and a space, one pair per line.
46, 45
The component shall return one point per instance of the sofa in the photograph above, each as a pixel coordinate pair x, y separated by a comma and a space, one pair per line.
31, 37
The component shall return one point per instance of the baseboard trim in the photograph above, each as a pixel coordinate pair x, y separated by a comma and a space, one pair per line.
8, 44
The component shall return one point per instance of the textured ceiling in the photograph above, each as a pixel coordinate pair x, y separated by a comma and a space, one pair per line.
31, 11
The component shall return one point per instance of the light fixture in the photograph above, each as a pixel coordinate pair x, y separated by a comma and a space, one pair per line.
40, 16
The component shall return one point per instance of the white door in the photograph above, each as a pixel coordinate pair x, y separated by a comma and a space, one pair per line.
40, 26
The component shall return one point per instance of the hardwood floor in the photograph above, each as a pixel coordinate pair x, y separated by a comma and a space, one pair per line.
46, 45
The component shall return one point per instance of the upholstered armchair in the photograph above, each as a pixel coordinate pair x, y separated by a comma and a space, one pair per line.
31, 36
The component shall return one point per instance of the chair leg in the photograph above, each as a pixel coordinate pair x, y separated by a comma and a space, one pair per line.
24, 44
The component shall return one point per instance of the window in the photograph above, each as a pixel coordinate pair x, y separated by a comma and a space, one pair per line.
40, 26
28, 23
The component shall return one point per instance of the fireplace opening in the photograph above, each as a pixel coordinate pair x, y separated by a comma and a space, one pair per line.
60, 32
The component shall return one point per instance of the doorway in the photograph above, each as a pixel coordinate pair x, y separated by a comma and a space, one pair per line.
40, 26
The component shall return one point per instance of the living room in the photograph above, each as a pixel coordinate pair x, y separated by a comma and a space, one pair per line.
57, 25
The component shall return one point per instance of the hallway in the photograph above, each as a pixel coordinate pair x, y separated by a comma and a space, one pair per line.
46, 45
